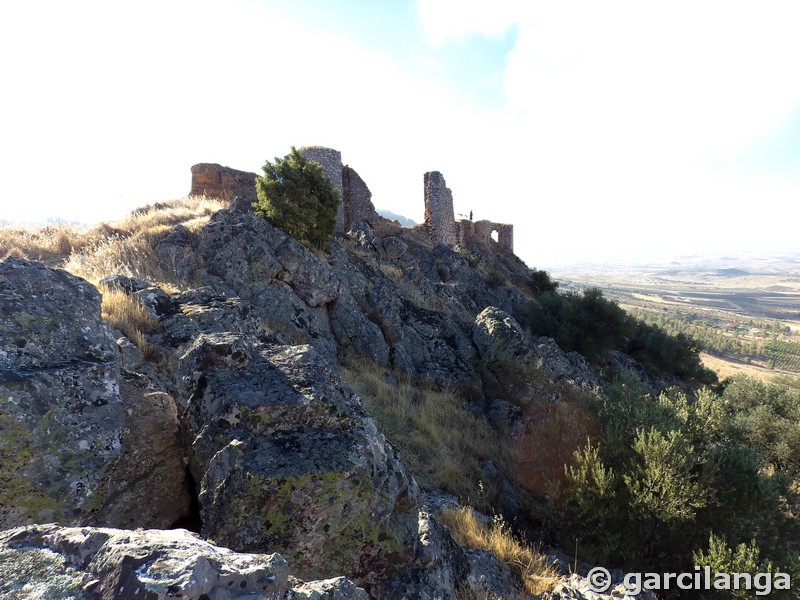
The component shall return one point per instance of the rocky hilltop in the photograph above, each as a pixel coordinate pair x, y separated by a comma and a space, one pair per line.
210, 448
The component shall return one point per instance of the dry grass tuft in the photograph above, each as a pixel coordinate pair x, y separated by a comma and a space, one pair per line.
134, 256
393, 272
528, 566
465, 593
441, 443
192, 212
128, 314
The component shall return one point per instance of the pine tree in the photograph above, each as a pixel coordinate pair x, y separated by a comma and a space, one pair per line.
294, 195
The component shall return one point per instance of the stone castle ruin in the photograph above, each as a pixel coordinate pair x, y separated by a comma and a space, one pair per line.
440, 218
440, 223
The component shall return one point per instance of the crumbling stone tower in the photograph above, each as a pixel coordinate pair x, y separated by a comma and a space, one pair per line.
331, 162
356, 199
439, 215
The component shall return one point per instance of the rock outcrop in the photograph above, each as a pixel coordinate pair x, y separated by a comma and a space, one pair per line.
523, 365
288, 460
48, 561
82, 441
240, 424
343, 301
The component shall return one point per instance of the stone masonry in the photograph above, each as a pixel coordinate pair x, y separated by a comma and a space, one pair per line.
356, 205
331, 162
439, 215
442, 226
482, 230
356, 198
222, 182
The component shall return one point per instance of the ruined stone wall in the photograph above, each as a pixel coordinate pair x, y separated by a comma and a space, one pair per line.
331, 162
356, 199
505, 233
465, 230
222, 182
482, 231
439, 215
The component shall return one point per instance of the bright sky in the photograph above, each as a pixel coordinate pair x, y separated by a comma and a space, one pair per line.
602, 130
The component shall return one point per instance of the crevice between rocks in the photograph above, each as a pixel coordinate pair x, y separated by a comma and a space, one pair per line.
190, 521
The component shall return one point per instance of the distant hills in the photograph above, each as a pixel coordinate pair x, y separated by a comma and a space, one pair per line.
783, 264
387, 214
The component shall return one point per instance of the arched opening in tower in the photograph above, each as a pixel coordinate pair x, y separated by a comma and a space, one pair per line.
495, 235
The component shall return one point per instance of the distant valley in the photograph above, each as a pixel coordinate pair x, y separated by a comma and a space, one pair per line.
744, 310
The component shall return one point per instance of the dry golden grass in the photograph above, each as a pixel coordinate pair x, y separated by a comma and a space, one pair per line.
441, 443
128, 314
393, 272
192, 212
129, 248
50, 244
528, 566
126, 247
725, 368
133, 256
465, 593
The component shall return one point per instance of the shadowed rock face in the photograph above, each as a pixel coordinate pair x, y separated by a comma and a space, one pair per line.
512, 356
283, 454
81, 440
288, 460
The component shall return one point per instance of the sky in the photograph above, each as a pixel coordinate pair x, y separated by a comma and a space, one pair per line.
610, 130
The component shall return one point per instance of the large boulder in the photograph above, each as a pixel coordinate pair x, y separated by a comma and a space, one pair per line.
356, 332
81, 440
439, 569
422, 342
288, 287
49, 318
249, 254
48, 561
287, 459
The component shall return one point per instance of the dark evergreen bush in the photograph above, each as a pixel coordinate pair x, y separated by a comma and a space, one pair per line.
295, 195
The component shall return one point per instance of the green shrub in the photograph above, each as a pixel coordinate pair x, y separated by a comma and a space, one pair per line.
766, 417
471, 259
588, 507
592, 325
295, 195
585, 322
746, 558
672, 468
541, 283
663, 482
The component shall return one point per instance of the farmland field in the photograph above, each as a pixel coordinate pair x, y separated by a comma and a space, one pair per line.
744, 312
